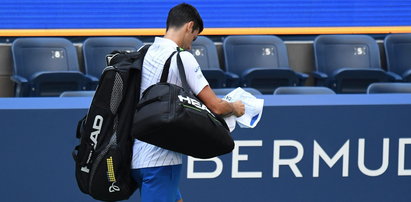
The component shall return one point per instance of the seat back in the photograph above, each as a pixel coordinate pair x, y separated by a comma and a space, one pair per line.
244, 52
333, 52
95, 50
205, 53
303, 90
398, 52
33, 55
389, 88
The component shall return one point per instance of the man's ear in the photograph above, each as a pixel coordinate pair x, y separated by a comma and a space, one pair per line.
190, 26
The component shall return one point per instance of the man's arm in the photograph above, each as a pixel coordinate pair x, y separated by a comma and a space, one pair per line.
219, 106
200, 87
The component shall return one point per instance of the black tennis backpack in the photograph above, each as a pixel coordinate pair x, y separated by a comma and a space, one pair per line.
103, 157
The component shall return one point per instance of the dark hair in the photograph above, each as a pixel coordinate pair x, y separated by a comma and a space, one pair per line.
183, 13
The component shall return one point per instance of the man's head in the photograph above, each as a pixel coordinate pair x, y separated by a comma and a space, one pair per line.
184, 23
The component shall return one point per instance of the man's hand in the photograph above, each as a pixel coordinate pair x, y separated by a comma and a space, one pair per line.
219, 106
238, 108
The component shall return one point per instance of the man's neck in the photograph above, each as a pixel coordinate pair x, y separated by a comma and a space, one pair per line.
174, 36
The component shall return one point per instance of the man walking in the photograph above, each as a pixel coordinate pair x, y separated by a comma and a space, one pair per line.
157, 170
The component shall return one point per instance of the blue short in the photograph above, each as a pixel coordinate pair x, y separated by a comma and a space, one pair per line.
158, 184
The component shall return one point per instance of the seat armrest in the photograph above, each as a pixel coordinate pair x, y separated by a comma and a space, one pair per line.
92, 78
320, 78
92, 82
22, 85
301, 75
394, 76
233, 80
319, 75
18, 79
231, 75
216, 77
406, 74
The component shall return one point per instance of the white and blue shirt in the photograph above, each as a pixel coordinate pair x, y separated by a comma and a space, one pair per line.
146, 155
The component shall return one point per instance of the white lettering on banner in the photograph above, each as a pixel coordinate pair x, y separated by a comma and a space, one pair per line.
292, 163
401, 157
319, 152
201, 175
235, 173
361, 157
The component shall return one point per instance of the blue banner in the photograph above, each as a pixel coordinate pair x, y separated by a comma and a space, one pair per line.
99, 14
305, 148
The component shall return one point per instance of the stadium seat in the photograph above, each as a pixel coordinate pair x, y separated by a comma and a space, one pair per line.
77, 93
398, 52
46, 67
205, 53
225, 91
303, 90
348, 63
261, 62
95, 50
389, 88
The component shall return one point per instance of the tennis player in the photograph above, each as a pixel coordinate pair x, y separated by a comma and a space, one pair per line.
155, 169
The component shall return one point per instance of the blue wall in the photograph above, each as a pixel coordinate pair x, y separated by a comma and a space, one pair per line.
38, 137
47, 14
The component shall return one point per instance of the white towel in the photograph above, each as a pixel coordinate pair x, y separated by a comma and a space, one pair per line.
253, 109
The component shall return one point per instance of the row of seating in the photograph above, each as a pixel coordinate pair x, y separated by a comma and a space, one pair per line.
49, 66
374, 88
344, 63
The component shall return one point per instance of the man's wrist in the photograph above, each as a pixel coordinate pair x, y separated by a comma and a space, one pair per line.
232, 109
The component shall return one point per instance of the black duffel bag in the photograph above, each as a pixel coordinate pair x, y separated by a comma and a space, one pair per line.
172, 117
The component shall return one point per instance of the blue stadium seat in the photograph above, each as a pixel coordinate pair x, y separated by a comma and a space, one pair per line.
95, 50
206, 55
303, 90
398, 52
389, 88
348, 63
261, 62
46, 67
77, 93
225, 91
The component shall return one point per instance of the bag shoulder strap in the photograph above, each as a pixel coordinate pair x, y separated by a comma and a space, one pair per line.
166, 69
181, 71
136, 69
